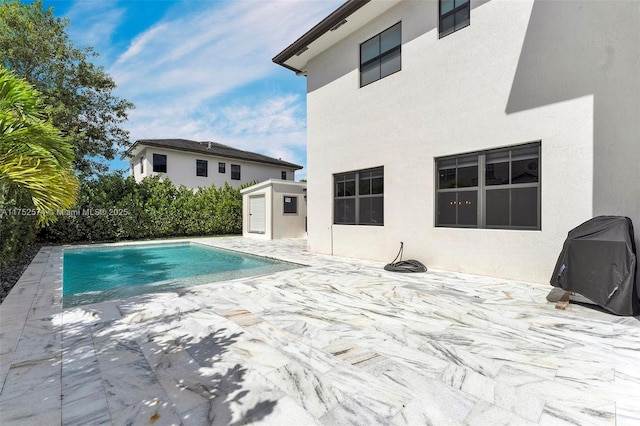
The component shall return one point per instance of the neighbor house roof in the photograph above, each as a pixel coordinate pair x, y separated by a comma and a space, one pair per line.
210, 148
343, 21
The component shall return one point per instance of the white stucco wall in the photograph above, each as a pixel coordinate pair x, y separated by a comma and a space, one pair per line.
486, 86
181, 169
278, 224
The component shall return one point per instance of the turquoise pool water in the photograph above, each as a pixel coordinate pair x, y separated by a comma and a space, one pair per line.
93, 275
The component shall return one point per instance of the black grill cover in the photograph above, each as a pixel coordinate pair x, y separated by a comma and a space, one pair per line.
598, 261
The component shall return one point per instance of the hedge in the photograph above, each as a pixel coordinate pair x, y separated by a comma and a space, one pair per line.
113, 208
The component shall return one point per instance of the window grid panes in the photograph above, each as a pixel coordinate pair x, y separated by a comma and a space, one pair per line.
235, 172
454, 15
290, 204
202, 168
491, 189
283, 175
359, 197
222, 168
380, 55
160, 163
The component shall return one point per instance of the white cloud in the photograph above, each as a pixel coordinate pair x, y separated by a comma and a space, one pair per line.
93, 23
193, 75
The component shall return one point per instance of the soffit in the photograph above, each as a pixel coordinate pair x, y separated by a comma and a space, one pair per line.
295, 57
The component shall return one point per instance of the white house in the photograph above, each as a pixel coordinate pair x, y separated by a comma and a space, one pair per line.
477, 132
201, 164
275, 209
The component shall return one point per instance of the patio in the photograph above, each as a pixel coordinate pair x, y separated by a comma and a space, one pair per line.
340, 341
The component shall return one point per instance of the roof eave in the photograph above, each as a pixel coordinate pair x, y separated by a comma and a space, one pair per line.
318, 31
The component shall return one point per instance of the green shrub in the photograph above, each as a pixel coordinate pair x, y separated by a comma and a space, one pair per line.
112, 208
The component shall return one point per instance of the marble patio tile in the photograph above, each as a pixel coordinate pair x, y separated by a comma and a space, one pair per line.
240, 395
257, 355
31, 393
307, 387
38, 346
378, 393
180, 377
485, 413
134, 396
510, 393
469, 381
83, 396
141, 309
242, 317
285, 412
112, 353
352, 412
565, 412
421, 412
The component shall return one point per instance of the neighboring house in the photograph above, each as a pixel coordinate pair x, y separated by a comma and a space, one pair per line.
201, 164
477, 132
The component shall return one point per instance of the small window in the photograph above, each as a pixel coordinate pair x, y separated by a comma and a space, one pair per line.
454, 15
359, 197
235, 172
222, 168
142, 164
202, 167
160, 163
380, 55
290, 204
283, 175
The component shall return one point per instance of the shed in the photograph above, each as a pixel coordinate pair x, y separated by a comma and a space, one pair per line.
275, 209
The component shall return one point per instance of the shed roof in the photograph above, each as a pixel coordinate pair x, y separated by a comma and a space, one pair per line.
211, 148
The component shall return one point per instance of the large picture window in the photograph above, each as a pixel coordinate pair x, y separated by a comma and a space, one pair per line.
380, 55
359, 197
490, 189
160, 163
454, 15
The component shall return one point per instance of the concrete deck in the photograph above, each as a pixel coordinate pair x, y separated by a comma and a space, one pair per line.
340, 341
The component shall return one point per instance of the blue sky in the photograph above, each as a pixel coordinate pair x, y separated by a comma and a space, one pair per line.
202, 70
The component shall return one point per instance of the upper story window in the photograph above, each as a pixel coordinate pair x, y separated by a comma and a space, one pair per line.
202, 167
380, 55
160, 163
222, 168
142, 164
283, 175
491, 189
235, 172
454, 15
359, 197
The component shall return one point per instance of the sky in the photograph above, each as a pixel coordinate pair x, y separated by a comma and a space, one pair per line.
202, 70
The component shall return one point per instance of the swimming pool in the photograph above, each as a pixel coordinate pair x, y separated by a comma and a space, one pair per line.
91, 275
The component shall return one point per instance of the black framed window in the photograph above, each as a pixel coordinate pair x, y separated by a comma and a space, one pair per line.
490, 189
142, 164
235, 172
290, 204
454, 15
160, 163
202, 168
380, 55
283, 175
222, 168
359, 197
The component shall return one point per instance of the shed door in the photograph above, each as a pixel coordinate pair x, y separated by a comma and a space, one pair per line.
257, 214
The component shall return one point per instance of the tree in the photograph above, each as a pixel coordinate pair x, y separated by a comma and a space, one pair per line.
35, 159
35, 45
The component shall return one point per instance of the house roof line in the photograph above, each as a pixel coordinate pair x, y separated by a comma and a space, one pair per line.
318, 31
210, 148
